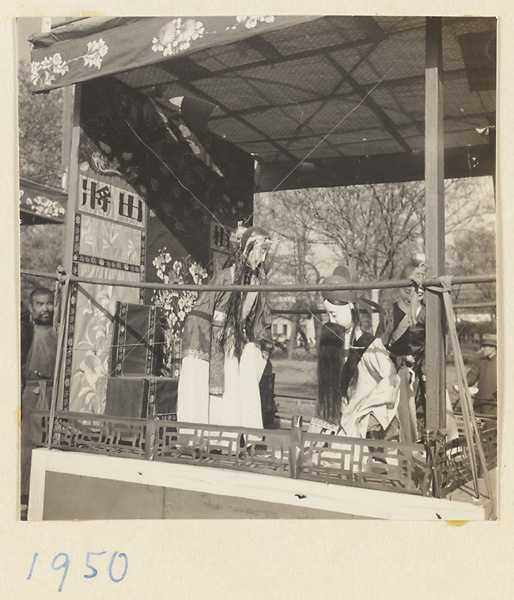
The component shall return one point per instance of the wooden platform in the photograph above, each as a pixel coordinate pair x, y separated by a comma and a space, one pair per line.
72, 485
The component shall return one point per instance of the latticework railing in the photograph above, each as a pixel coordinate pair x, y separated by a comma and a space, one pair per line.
452, 463
435, 468
287, 453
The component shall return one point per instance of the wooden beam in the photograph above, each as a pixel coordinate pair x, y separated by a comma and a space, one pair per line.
198, 92
385, 168
434, 234
72, 128
382, 116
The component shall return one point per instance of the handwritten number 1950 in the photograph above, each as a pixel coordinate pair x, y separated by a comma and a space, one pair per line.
62, 561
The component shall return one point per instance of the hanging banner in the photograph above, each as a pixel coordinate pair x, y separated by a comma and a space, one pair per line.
110, 201
40, 203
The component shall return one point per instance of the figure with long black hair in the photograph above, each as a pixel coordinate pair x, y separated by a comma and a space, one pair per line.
227, 341
357, 381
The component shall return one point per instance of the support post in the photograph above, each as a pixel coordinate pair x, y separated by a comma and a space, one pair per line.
70, 162
295, 447
435, 231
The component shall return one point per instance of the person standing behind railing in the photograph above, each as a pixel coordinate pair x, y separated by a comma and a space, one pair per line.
38, 366
226, 343
402, 330
483, 374
367, 382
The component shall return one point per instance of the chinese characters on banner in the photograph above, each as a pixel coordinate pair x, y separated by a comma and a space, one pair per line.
108, 201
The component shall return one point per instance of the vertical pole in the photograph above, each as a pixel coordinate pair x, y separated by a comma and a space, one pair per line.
67, 125
492, 147
434, 207
375, 317
70, 162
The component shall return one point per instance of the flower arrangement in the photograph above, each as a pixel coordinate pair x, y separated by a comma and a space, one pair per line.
175, 304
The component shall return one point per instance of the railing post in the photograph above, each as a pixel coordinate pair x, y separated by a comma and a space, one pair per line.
296, 447
151, 427
434, 444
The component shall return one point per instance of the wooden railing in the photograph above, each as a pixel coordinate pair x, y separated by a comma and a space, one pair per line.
436, 468
288, 453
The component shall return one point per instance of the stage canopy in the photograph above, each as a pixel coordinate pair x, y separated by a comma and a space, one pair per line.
344, 96
41, 204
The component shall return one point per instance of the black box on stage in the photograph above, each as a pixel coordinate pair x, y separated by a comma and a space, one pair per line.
140, 397
138, 340
267, 390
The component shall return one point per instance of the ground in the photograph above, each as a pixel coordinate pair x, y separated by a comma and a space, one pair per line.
298, 378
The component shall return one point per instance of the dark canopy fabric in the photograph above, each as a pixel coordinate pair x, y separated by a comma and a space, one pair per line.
333, 100
96, 47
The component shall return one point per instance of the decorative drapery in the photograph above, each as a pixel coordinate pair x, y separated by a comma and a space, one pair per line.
84, 50
148, 192
40, 203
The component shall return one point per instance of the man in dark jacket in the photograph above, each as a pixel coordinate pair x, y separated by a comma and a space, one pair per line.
38, 350
483, 374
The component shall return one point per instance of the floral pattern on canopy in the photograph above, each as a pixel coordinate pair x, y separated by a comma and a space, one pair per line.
71, 53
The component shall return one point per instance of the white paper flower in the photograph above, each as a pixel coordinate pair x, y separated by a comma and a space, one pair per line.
251, 22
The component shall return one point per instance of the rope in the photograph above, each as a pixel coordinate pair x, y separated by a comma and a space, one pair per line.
470, 424
323, 139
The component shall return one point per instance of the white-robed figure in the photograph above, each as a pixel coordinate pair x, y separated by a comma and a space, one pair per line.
226, 343
358, 383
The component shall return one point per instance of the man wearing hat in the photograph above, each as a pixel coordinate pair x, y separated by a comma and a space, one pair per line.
483, 374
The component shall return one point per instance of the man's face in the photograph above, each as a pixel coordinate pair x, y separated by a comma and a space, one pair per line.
488, 351
406, 294
340, 314
42, 309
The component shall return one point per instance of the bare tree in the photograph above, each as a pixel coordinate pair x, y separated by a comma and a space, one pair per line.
374, 228
288, 216
473, 253
40, 131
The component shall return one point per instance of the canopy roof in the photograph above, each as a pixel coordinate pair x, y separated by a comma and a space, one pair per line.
41, 204
319, 101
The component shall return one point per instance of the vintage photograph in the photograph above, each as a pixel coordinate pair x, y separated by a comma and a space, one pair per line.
258, 267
